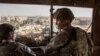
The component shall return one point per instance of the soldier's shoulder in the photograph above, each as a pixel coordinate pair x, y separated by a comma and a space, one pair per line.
80, 30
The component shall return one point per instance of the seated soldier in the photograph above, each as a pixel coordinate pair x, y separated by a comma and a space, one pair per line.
70, 41
8, 46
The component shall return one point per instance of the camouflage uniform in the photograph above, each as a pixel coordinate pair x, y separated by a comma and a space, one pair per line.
78, 47
15, 49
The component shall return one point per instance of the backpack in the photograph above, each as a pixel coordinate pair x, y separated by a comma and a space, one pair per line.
90, 44
74, 34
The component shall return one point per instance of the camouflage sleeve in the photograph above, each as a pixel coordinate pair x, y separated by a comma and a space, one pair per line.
59, 40
26, 51
82, 42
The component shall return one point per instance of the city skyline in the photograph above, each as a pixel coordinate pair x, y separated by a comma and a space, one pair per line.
38, 10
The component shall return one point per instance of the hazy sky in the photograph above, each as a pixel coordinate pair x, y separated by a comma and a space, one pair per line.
38, 10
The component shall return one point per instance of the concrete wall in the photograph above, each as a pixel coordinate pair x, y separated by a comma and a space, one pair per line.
96, 28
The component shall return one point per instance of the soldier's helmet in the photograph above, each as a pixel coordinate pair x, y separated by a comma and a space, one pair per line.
63, 14
5, 29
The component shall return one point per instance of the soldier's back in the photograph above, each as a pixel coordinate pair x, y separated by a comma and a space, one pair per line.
8, 49
14, 49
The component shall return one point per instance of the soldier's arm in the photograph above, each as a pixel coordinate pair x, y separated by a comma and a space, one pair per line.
25, 50
58, 41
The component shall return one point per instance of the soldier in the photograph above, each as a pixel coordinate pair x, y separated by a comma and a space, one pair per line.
70, 41
8, 46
